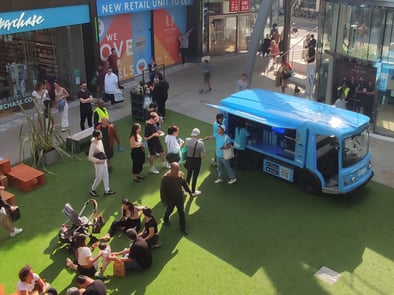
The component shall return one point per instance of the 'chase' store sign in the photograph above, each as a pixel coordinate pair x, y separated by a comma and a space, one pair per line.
112, 7
38, 19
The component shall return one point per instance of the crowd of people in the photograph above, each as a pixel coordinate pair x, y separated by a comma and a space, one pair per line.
91, 260
356, 94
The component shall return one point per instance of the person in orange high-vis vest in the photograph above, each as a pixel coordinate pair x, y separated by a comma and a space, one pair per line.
109, 136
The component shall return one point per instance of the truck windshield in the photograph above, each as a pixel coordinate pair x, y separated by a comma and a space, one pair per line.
355, 148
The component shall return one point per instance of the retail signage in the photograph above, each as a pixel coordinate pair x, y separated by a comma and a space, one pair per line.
5, 105
244, 5
113, 7
233, 6
38, 19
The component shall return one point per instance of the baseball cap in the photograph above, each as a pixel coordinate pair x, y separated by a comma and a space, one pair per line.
195, 132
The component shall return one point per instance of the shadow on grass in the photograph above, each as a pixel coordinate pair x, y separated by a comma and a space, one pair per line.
260, 224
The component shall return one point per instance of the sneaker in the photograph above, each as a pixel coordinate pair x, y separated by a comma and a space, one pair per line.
196, 193
63, 129
156, 245
16, 231
109, 192
219, 180
232, 180
153, 170
93, 193
166, 165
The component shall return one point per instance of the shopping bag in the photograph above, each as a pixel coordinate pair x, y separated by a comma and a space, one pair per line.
228, 153
118, 96
119, 269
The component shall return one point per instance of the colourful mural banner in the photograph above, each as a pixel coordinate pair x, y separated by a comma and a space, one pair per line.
169, 25
129, 35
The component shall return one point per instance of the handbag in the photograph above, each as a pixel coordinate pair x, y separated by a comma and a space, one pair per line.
228, 153
61, 105
118, 96
15, 215
98, 223
189, 161
172, 157
100, 156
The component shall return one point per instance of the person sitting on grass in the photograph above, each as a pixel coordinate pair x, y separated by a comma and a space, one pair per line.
31, 283
86, 263
130, 218
150, 233
139, 256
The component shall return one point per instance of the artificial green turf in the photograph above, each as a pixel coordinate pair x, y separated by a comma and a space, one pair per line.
258, 236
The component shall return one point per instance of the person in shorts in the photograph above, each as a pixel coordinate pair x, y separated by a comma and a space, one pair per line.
152, 136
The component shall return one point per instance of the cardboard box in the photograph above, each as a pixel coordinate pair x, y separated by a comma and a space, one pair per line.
119, 269
4, 181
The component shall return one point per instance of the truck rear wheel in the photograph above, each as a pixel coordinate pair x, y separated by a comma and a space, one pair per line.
309, 183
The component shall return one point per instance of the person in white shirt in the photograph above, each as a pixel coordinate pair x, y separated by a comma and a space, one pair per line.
242, 83
110, 86
173, 146
340, 103
98, 157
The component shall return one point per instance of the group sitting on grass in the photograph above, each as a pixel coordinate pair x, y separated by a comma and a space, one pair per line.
86, 263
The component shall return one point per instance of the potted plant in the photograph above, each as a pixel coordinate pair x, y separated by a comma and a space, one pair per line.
39, 135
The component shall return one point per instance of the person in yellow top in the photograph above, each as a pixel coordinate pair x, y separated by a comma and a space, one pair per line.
99, 113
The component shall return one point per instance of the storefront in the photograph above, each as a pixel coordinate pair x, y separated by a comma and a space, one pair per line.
227, 26
40, 44
356, 43
141, 30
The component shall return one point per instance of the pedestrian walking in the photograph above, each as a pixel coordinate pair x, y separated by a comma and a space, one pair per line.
99, 159
172, 195
110, 135
207, 74
5, 217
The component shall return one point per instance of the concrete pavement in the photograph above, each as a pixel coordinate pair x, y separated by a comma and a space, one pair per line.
184, 97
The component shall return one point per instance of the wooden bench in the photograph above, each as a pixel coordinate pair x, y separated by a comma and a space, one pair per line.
25, 178
8, 197
75, 141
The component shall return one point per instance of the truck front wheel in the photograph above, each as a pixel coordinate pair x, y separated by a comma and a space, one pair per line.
309, 183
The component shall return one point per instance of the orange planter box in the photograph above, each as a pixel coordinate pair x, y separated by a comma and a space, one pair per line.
5, 166
25, 177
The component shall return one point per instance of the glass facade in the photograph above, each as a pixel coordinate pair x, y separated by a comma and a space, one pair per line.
227, 26
34, 56
356, 49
